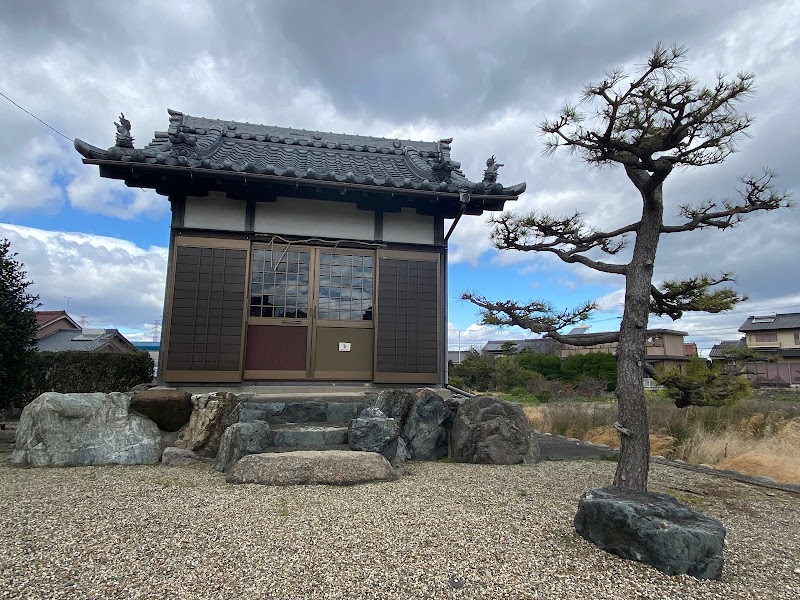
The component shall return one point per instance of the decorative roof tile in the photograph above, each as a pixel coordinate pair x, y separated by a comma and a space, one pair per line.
197, 142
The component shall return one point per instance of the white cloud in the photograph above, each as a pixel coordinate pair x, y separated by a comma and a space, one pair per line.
113, 282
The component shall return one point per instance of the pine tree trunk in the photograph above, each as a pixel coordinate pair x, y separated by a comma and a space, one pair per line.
634, 457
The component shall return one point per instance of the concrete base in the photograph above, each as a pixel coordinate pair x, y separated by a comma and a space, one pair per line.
300, 390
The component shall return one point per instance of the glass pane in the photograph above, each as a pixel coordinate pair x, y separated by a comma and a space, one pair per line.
255, 311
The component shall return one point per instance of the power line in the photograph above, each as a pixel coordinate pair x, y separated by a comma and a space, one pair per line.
35, 117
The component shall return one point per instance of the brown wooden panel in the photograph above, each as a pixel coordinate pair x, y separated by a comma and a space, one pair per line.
276, 348
407, 320
206, 314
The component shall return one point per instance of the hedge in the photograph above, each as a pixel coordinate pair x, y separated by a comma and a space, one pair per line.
71, 372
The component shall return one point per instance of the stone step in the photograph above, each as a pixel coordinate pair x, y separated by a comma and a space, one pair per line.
273, 449
308, 435
310, 411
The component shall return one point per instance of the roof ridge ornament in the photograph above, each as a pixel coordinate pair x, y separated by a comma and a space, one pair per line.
123, 138
490, 174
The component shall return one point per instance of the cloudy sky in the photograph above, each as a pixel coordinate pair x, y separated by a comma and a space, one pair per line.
485, 73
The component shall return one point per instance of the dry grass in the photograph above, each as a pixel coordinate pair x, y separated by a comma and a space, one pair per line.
754, 437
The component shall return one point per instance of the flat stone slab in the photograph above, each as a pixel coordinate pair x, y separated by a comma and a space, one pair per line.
333, 467
308, 435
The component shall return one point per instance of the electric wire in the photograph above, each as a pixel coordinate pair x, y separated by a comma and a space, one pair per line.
35, 117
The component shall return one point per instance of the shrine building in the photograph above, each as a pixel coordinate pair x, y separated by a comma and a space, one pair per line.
301, 255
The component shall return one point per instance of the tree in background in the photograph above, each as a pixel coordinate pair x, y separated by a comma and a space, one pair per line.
17, 327
705, 384
649, 124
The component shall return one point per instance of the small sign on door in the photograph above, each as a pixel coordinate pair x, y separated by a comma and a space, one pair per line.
344, 346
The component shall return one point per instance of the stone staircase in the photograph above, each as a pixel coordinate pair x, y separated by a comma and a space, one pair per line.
305, 422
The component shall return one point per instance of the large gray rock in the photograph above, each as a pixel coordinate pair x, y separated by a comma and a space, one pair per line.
333, 467
652, 528
374, 434
239, 440
426, 426
394, 404
492, 431
168, 408
212, 414
57, 430
308, 435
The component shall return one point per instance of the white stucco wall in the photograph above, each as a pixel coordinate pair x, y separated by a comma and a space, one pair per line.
215, 211
408, 227
319, 218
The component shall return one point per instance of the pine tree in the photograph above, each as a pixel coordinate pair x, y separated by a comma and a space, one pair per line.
17, 327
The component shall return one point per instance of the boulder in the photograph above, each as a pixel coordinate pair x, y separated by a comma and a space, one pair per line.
395, 404
59, 430
374, 434
168, 408
652, 528
492, 431
331, 467
212, 414
178, 457
239, 440
426, 427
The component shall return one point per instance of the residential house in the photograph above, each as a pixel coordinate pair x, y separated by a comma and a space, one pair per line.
50, 321
776, 337
57, 332
302, 255
494, 348
665, 349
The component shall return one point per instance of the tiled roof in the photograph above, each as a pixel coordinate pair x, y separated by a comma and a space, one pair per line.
63, 341
201, 143
540, 345
722, 349
784, 321
43, 317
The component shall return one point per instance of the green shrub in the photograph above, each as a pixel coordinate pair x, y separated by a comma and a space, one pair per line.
547, 365
597, 365
72, 372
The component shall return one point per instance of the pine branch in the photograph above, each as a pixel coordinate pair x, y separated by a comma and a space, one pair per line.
695, 294
756, 194
568, 238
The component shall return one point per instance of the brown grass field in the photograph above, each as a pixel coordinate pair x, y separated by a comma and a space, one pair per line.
755, 437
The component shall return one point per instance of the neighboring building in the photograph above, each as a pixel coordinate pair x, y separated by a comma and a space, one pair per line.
665, 349
690, 350
58, 332
50, 321
776, 336
85, 340
494, 348
302, 255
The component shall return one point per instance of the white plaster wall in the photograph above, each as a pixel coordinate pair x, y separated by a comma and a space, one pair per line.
318, 218
216, 211
408, 227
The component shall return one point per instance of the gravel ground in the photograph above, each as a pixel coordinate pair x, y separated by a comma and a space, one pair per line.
447, 531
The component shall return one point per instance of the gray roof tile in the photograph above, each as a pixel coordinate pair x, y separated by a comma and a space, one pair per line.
63, 341
780, 321
198, 142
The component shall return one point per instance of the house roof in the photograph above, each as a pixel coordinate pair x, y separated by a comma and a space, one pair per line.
45, 317
192, 143
770, 322
541, 345
722, 349
64, 340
